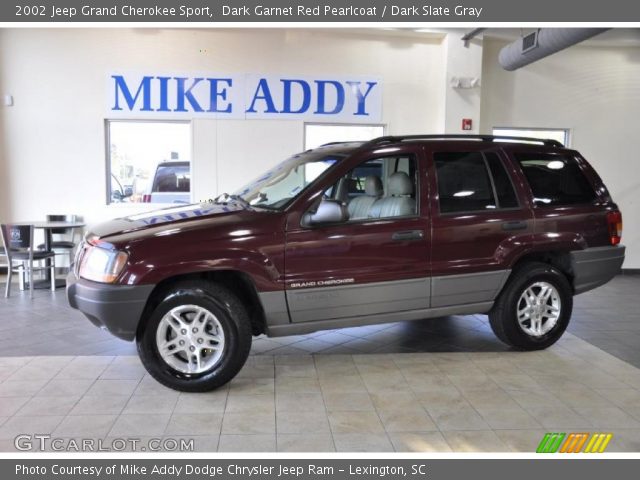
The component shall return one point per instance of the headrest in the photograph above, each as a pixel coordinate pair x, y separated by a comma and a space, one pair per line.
373, 186
399, 184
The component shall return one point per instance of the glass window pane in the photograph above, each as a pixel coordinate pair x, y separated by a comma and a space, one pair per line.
555, 179
149, 162
316, 135
463, 182
375, 189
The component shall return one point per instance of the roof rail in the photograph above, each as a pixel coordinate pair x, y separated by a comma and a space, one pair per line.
485, 138
341, 143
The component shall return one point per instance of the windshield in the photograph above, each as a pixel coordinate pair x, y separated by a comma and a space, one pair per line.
275, 188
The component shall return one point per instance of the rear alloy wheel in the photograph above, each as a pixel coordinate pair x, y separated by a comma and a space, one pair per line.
197, 338
533, 310
539, 309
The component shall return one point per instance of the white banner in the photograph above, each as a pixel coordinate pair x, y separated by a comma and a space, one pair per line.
331, 99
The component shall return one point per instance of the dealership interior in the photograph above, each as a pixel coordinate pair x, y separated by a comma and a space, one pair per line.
89, 131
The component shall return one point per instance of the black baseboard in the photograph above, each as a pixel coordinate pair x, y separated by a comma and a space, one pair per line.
631, 271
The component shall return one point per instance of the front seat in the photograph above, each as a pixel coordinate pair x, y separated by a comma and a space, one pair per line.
359, 206
399, 202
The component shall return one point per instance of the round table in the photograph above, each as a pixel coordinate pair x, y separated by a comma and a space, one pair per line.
48, 227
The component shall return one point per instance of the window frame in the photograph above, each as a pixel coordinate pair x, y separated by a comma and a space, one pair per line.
107, 146
500, 156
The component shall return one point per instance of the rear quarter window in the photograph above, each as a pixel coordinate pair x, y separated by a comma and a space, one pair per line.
555, 179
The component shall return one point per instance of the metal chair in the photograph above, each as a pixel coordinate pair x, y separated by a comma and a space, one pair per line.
65, 240
4, 260
18, 241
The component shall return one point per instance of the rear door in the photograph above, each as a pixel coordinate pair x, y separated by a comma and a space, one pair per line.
566, 203
365, 266
480, 220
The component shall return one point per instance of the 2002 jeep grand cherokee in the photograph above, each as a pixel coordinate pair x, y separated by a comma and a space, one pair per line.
398, 228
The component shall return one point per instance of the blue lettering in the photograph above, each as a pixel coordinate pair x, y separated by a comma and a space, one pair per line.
262, 93
131, 100
164, 94
322, 97
183, 94
362, 97
306, 96
217, 91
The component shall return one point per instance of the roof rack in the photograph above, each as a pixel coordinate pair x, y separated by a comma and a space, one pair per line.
485, 138
341, 143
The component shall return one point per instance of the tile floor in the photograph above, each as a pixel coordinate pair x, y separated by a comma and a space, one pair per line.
430, 401
607, 317
432, 385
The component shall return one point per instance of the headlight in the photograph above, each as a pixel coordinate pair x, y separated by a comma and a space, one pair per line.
100, 265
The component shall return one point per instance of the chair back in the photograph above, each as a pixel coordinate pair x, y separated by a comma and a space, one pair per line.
3, 251
17, 238
61, 218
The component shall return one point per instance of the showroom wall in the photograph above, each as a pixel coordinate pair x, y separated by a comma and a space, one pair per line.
52, 152
595, 92
55, 146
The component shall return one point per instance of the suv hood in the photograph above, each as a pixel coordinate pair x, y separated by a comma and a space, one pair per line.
156, 218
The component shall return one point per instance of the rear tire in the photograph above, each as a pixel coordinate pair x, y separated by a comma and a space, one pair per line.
197, 339
533, 310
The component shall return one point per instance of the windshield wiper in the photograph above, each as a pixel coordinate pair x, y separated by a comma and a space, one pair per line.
225, 197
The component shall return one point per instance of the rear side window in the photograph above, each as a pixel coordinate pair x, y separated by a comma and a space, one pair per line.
555, 179
463, 182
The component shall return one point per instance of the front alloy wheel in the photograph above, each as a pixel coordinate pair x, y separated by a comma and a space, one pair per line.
197, 337
190, 339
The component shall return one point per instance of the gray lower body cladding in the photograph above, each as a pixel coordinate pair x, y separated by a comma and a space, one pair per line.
332, 307
118, 308
593, 267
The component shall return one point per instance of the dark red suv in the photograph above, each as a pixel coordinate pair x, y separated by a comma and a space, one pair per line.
398, 228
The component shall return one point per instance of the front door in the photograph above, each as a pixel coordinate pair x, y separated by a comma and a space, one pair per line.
376, 262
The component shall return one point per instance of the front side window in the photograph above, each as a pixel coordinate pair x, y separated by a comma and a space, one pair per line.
148, 161
378, 188
555, 179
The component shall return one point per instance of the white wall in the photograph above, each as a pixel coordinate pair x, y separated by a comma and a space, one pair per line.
462, 61
595, 92
54, 135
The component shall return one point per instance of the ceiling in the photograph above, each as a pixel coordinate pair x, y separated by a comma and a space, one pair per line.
616, 37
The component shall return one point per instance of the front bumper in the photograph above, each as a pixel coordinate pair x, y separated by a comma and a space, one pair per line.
117, 308
593, 267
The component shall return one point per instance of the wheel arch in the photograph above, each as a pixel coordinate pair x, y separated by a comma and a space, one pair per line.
559, 259
239, 283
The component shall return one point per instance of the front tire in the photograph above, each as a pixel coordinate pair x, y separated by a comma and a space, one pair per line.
533, 310
197, 339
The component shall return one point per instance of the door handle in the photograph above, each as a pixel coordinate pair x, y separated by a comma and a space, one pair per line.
408, 235
516, 225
